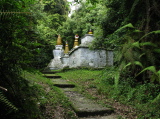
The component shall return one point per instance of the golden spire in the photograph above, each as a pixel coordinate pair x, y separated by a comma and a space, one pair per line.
76, 41
59, 40
90, 32
66, 48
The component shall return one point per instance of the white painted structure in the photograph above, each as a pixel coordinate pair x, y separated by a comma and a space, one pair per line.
81, 56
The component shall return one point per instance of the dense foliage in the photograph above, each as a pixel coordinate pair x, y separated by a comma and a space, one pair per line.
82, 21
28, 28
131, 29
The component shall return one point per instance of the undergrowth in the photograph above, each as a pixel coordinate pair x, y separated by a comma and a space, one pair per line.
52, 101
141, 96
81, 77
129, 91
37, 98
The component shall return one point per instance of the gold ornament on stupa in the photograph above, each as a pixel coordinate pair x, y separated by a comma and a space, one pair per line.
66, 48
59, 40
76, 41
90, 32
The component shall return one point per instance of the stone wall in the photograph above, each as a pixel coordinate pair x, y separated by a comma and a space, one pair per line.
82, 56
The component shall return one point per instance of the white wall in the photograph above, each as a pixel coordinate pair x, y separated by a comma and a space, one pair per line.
84, 57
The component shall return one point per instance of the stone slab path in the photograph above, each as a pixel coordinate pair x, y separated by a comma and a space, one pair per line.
85, 108
62, 83
51, 76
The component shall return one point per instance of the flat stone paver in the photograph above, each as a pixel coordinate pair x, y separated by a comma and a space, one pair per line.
86, 107
48, 72
51, 76
102, 117
62, 83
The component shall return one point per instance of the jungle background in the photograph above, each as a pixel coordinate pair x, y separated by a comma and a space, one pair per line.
29, 30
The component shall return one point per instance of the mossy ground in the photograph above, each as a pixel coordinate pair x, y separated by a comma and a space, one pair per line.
51, 101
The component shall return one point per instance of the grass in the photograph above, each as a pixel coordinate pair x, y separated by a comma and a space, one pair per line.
50, 100
135, 101
85, 81
82, 78
97, 85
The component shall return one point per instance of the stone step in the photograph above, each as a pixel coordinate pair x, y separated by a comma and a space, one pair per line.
62, 83
49, 72
51, 76
85, 107
54, 77
101, 117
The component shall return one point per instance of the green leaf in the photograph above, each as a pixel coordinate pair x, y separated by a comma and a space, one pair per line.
127, 65
137, 31
153, 32
135, 62
136, 44
138, 63
157, 50
125, 26
148, 43
150, 68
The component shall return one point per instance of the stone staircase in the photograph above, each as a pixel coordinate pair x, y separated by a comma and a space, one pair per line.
85, 108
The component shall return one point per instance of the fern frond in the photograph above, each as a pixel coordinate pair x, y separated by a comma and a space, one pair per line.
7, 103
124, 27
155, 74
133, 6
153, 32
136, 44
7, 14
150, 68
148, 44
157, 50
135, 63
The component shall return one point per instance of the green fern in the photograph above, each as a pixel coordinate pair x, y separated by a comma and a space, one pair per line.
155, 74
135, 62
8, 14
7, 103
124, 27
134, 53
150, 33
133, 6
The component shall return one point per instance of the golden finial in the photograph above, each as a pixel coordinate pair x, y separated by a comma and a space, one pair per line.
90, 32
76, 41
66, 48
59, 40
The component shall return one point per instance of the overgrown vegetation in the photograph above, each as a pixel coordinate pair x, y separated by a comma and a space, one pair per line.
50, 100
131, 29
23, 46
28, 33
101, 86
